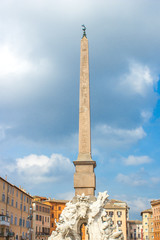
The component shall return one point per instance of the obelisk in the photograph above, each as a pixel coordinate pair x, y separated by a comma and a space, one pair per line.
84, 177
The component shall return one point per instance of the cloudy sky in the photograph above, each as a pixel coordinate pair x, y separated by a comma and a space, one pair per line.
39, 96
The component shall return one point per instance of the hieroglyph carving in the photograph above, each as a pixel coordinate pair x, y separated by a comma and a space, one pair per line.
82, 210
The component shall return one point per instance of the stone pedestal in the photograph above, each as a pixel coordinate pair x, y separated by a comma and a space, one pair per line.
84, 177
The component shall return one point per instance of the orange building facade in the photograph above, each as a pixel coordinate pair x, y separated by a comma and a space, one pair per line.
56, 208
156, 218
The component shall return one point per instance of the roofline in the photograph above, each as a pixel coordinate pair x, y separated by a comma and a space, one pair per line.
15, 187
56, 201
155, 202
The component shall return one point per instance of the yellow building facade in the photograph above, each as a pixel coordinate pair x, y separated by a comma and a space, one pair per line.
119, 213
15, 206
156, 218
147, 224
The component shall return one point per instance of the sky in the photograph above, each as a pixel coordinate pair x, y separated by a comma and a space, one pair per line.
39, 96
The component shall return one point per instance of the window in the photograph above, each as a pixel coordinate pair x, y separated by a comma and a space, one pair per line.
59, 208
27, 224
20, 222
119, 213
36, 207
23, 222
39, 208
15, 221
12, 191
59, 215
7, 200
17, 193
3, 186
21, 206
16, 204
16, 237
27, 199
24, 208
21, 196
131, 235
11, 218
52, 215
3, 197
8, 188
145, 216
36, 217
24, 198
111, 214
119, 223
52, 207
52, 224
139, 235
12, 202
40, 218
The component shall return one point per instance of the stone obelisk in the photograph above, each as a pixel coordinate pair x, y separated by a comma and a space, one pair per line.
84, 177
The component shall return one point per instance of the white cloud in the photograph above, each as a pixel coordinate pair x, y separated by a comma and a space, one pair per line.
136, 160
137, 204
131, 180
12, 64
146, 115
39, 169
117, 137
138, 80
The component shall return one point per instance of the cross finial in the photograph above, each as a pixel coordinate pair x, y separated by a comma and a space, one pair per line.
84, 30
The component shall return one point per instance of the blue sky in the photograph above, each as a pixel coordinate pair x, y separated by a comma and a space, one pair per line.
39, 96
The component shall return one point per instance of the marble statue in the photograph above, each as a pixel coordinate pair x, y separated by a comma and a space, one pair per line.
84, 210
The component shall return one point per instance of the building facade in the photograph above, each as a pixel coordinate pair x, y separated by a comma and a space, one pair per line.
15, 206
156, 218
41, 220
147, 224
119, 213
134, 229
56, 207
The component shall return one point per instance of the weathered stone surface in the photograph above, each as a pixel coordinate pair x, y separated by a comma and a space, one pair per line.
84, 101
84, 177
